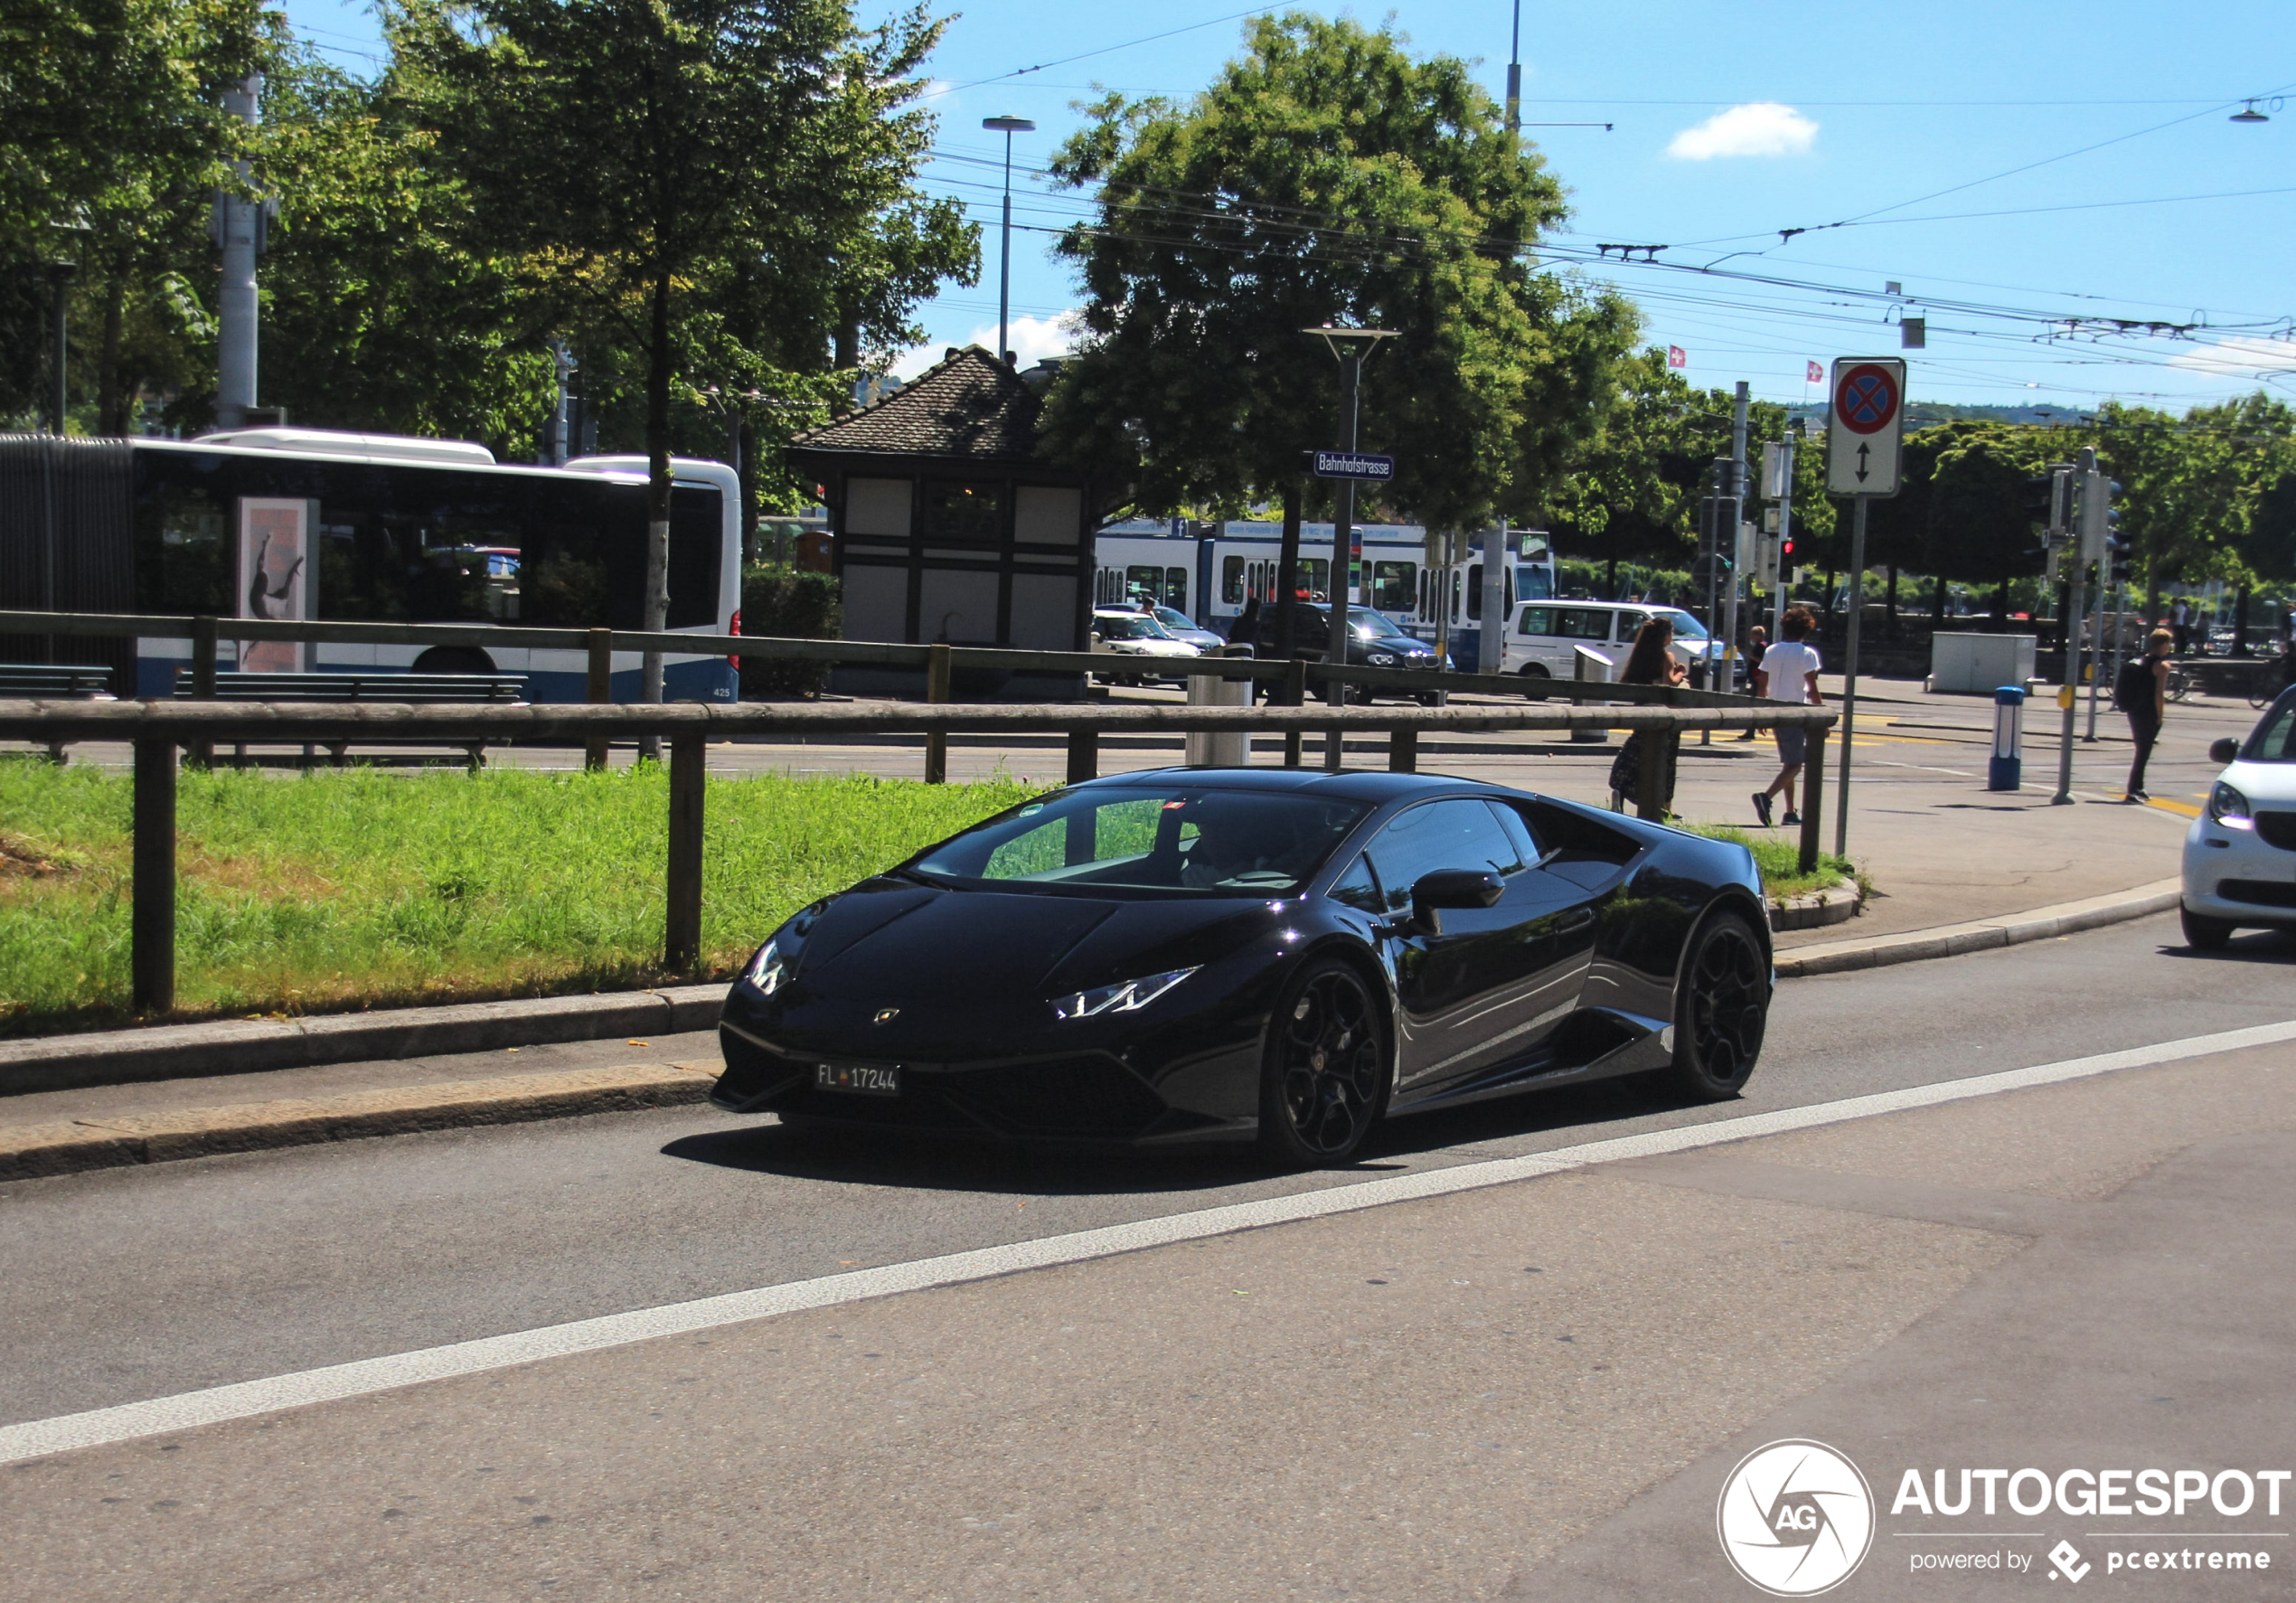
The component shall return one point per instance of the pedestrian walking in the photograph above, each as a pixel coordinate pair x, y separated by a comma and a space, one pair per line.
2142, 692
2180, 627
1757, 642
1650, 662
1789, 672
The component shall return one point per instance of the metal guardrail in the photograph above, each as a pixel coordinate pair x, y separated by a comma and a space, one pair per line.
1287, 675
156, 729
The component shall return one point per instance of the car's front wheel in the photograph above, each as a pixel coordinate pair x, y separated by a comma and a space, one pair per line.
2203, 933
1722, 1010
1325, 1082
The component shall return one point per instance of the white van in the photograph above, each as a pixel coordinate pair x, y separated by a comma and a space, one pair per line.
1541, 642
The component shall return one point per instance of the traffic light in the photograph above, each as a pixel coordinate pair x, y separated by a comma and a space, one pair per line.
2118, 547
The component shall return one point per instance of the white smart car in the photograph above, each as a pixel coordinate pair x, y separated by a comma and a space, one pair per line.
2240, 854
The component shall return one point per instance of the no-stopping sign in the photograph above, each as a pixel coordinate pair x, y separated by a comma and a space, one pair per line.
1863, 432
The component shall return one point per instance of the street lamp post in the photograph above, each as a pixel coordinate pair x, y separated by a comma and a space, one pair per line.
1008, 126
1348, 344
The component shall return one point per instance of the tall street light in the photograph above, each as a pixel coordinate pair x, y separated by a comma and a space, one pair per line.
1350, 345
1008, 126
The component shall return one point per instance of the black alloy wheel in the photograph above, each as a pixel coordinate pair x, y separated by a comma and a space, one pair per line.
1723, 1006
2203, 933
1325, 1082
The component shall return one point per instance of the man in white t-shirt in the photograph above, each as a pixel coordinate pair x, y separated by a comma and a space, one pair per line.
1788, 673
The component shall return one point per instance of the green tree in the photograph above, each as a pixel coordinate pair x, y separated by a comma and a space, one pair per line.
113, 140
640, 156
1325, 176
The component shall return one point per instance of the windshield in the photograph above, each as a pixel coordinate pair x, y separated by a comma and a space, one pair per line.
1176, 838
1173, 620
2275, 737
1128, 626
1686, 627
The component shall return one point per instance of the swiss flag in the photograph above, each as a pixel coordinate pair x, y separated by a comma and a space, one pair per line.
1676, 356
1817, 375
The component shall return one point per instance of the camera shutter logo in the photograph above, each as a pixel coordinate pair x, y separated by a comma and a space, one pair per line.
1795, 1518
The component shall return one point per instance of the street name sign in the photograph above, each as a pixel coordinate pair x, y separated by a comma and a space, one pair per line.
1867, 424
1350, 465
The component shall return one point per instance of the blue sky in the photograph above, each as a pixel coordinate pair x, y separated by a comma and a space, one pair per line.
1731, 123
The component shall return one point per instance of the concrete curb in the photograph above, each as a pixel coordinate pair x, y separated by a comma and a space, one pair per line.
243, 1046
30, 1152
1836, 904
1952, 940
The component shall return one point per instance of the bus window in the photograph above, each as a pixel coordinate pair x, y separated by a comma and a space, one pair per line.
1393, 585
1143, 584
1231, 580
1474, 592
183, 560
1176, 589
1316, 574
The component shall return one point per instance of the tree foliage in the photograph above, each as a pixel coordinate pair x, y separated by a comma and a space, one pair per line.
1326, 176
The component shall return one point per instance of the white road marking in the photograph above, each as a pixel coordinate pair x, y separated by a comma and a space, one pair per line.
190, 1409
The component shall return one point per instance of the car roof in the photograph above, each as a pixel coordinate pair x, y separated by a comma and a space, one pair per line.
1365, 785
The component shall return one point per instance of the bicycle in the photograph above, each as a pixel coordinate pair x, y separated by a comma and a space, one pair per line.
2179, 683
2270, 680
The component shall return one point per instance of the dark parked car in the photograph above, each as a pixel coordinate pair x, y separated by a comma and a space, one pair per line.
1207, 954
1374, 641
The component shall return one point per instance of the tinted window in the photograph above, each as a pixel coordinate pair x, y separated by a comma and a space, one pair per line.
1216, 842
1584, 623
1537, 620
1356, 888
1461, 834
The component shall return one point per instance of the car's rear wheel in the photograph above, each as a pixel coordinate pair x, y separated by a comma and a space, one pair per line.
1324, 1083
2203, 933
1723, 1008
1536, 671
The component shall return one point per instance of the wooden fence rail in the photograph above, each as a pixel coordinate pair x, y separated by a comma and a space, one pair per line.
157, 728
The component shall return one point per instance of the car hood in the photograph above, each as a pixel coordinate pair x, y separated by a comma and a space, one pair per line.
888, 939
2264, 783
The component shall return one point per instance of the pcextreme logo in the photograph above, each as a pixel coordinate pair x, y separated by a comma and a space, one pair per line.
1795, 1518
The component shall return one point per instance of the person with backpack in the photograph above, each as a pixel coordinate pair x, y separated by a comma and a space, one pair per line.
2140, 690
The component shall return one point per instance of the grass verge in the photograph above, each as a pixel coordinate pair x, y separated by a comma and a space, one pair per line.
347, 888
1780, 861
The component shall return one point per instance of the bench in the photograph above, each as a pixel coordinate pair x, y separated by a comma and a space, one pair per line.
47, 681
470, 689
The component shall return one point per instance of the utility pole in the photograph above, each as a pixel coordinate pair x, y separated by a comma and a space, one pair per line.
1515, 74
236, 223
2061, 506
1781, 490
1737, 517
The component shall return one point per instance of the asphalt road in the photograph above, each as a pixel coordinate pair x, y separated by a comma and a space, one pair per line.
131, 1283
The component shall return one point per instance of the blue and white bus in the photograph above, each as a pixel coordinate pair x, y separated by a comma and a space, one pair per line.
388, 529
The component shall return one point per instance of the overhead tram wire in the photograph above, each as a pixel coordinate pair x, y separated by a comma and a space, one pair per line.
1103, 50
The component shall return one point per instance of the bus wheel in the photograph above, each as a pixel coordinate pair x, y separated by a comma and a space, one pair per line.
454, 659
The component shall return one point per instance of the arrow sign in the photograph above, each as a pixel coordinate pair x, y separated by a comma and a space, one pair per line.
1359, 465
1867, 421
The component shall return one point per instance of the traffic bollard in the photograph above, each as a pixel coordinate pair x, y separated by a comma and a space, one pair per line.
2008, 768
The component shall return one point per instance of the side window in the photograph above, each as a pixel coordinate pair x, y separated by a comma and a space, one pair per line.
2279, 744
1356, 888
1518, 832
1537, 620
1585, 623
1231, 580
1630, 624
1458, 834
1176, 589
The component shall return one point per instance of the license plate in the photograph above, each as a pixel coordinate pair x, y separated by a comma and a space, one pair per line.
864, 1079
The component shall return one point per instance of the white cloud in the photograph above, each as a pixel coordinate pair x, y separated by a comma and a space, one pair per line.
1032, 338
2239, 355
1760, 127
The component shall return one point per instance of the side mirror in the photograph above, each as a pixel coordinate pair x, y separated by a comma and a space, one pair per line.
1453, 888
2225, 751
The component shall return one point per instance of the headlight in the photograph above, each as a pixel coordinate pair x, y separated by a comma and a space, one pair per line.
1382, 659
2228, 808
765, 972
1130, 996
